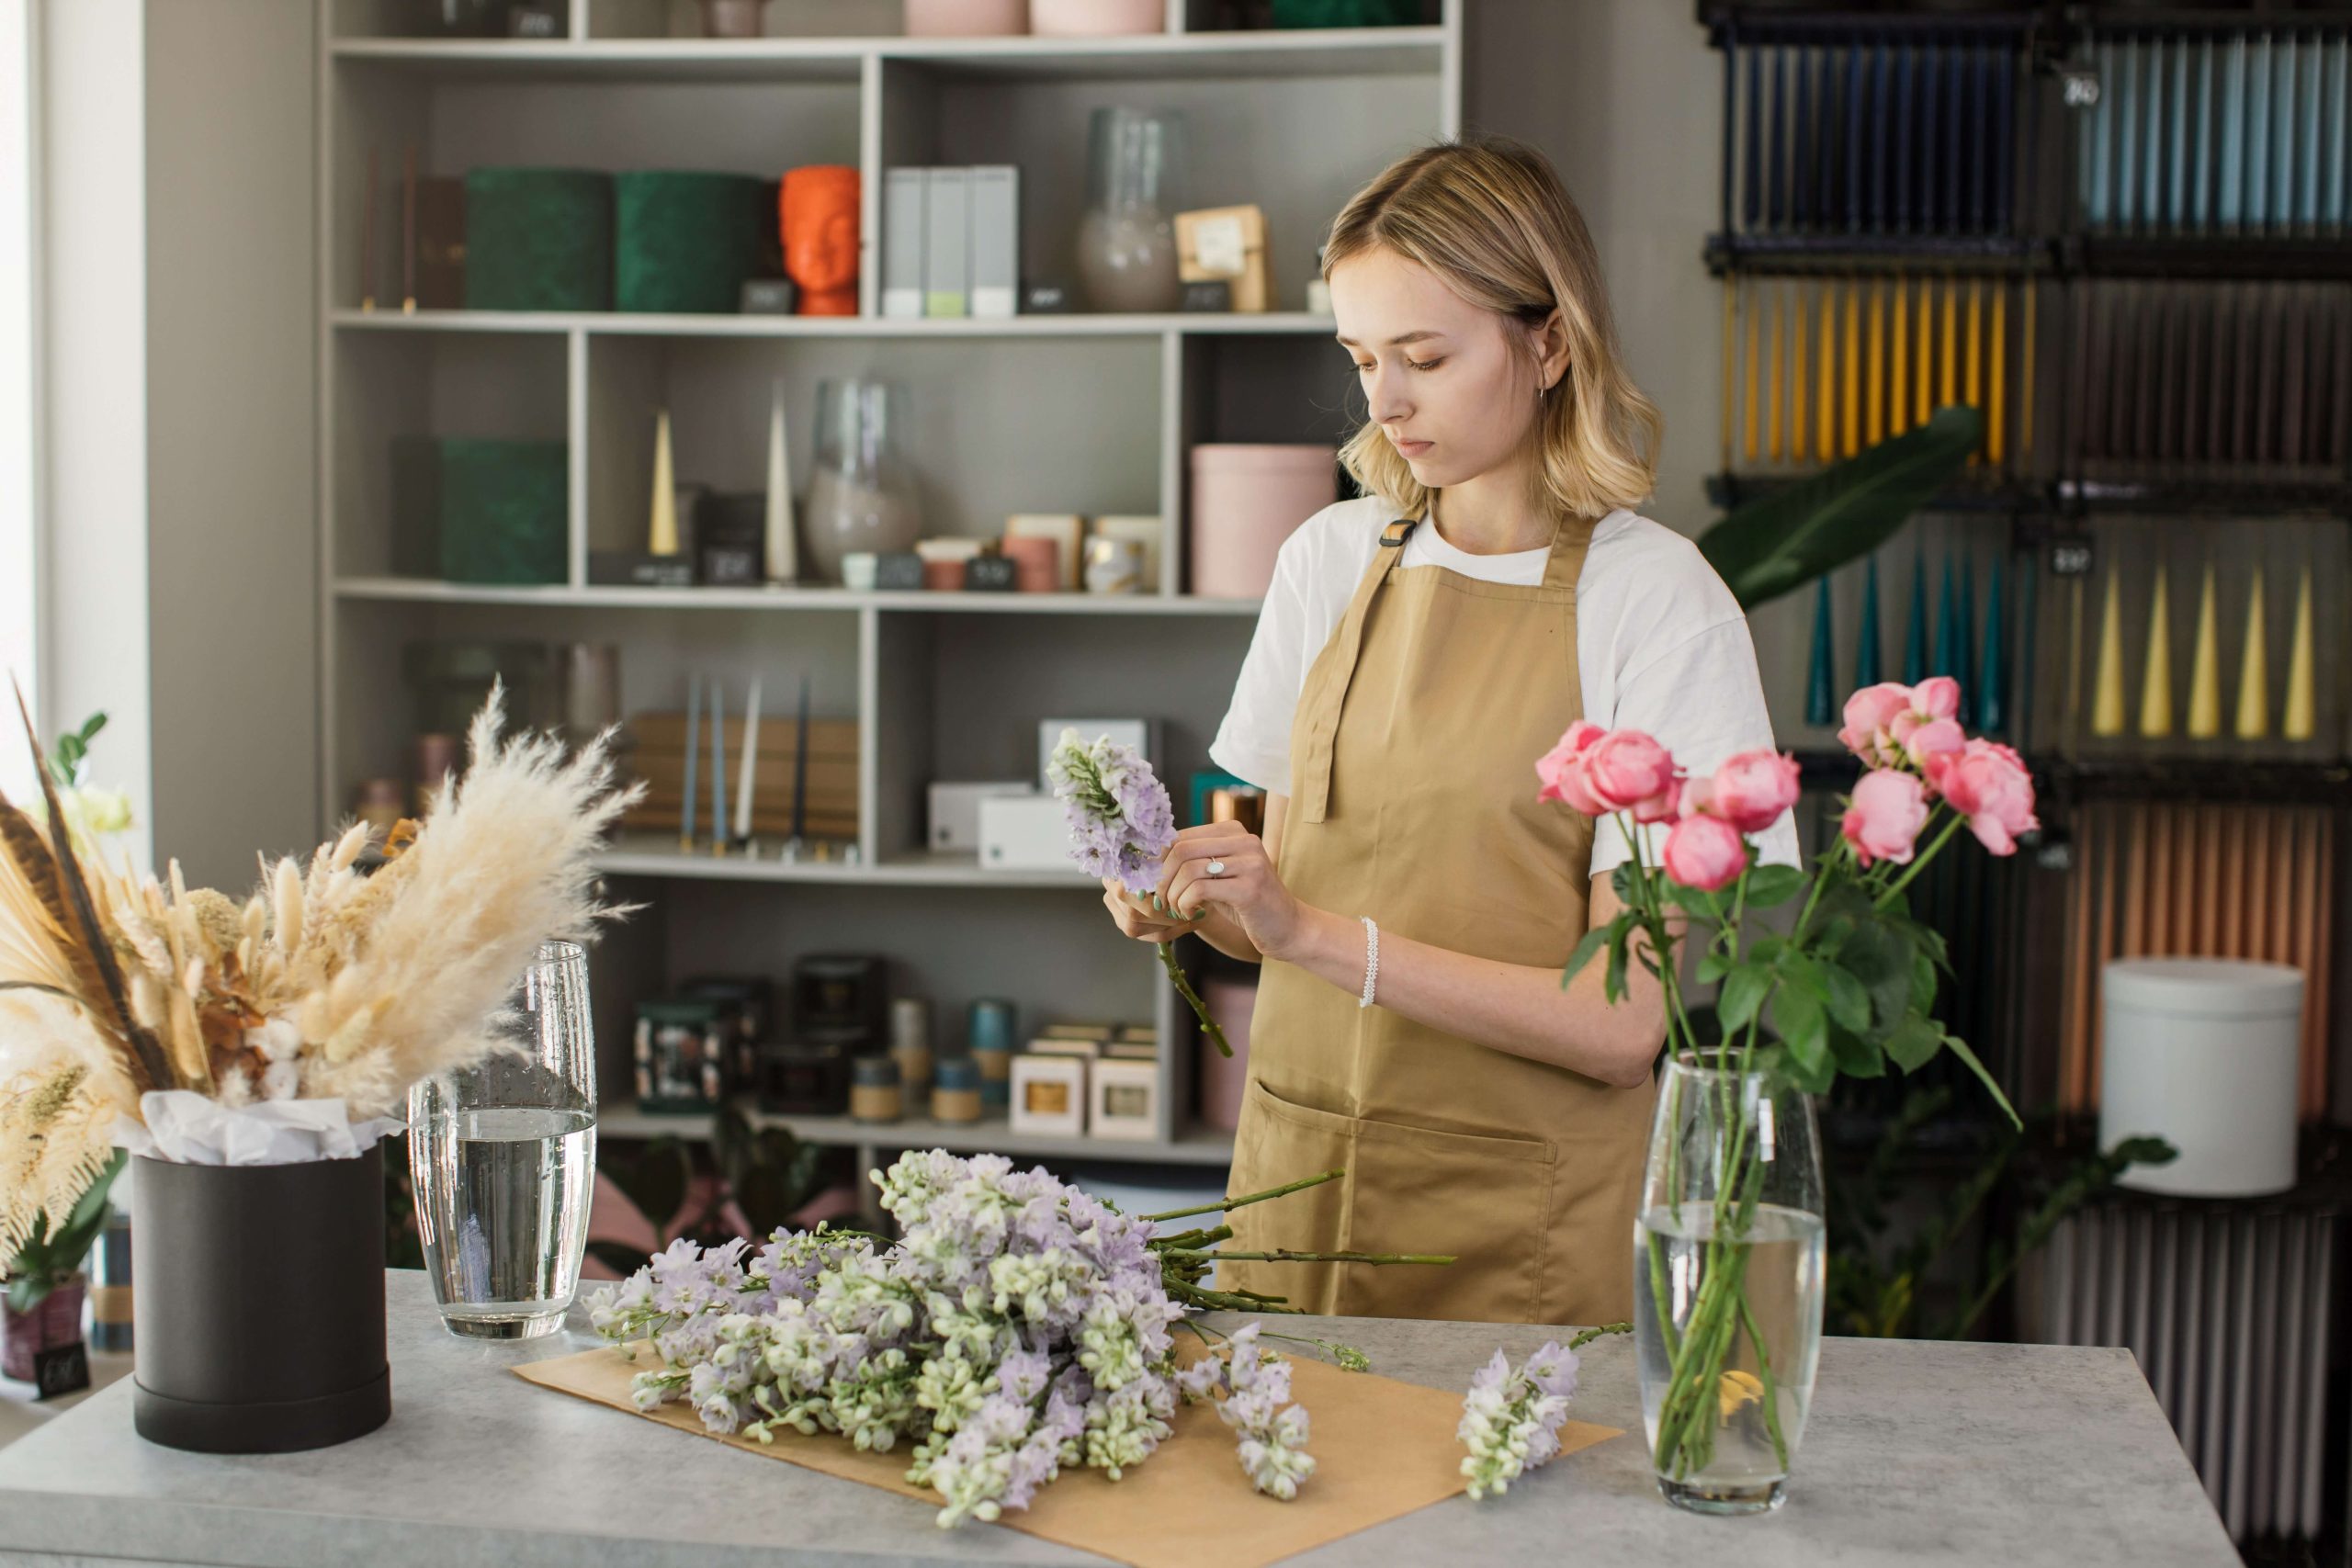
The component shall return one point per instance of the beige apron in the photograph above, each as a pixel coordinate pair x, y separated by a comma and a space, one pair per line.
1413, 801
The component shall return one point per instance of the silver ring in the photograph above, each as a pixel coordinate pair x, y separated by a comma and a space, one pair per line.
1216, 868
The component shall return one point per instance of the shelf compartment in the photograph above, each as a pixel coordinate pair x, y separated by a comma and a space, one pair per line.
617, 324
1071, 427
1197, 1146
833, 600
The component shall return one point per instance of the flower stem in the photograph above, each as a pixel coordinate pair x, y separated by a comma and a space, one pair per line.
1209, 1026
1589, 1335
1919, 861
1283, 1254
1221, 1206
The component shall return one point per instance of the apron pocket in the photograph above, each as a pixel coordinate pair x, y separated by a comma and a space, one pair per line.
1484, 1199
1278, 1143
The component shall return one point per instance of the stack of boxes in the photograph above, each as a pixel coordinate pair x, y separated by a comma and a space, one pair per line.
951, 242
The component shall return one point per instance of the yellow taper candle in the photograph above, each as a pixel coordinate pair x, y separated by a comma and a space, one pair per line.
1747, 309
2253, 669
2106, 678
2025, 377
1803, 393
2205, 668
1851, 430
1731, 362
2300, 719
2155, 686
1824, 434
1898, 379
1996, 384
1772, 378
1971, 383
1950, 365
661, 535
1875, 369
1920, 409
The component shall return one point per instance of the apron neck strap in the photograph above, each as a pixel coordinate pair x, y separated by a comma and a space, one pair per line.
1570, 537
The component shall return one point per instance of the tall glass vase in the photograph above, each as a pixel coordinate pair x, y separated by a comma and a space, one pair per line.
503, 1159
1126, 240
1728, 1282
861, 498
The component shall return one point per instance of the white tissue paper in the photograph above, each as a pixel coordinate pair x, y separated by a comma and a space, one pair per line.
188, 1128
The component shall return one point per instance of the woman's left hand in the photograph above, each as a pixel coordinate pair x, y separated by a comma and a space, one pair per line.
1246, 886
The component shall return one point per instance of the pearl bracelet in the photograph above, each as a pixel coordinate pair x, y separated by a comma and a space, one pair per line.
1371, 962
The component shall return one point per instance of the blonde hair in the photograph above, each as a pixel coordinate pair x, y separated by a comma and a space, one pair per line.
1490, 218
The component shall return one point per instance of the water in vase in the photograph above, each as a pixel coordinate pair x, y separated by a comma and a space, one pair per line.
502, 1201
1734, 1464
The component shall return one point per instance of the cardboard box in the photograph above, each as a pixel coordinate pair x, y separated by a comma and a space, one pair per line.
1227, 242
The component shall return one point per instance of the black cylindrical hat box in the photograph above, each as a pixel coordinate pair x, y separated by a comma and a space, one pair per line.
260, 1309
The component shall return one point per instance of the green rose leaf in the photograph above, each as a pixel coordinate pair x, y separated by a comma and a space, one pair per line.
1585, 949
1797, 1014
1915, 1041
1856, 1056
1712, 966
1743, 993
1849, 1004
1770, 885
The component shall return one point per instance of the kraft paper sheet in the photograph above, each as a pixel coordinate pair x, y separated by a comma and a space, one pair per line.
1383, 1449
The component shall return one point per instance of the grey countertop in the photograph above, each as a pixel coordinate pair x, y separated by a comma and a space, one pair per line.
1916, 1451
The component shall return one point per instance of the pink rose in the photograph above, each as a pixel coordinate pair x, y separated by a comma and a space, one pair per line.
1749, 790
1562, 769
1885, 815
1705, 852
1937, 696
1987, 783
1923, 738
1869, 713
1630, 771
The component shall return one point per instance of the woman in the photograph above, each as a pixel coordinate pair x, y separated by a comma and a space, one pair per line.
1411, 901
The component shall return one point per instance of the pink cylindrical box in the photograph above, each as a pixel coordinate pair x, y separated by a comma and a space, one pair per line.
1230, 1002
966, 19
1036, 563
1096, 18
1246, 501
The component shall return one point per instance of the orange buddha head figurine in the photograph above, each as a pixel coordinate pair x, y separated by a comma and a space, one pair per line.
818, 210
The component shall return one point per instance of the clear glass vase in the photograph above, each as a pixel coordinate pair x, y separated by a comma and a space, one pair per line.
503, 1159
1126, 240
860, 497
1728, 1282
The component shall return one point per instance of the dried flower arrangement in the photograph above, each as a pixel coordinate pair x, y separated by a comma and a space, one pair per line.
378, 965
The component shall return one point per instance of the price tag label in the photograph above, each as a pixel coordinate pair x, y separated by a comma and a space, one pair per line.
2071, 557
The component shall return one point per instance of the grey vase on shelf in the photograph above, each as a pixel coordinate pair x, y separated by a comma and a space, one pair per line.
1126, 240
861, 498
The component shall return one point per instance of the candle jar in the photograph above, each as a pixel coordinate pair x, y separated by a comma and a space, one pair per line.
873, 1091
861, 498
910, 1045
955, 1091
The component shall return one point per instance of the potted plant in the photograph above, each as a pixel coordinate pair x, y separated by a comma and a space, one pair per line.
40, 1322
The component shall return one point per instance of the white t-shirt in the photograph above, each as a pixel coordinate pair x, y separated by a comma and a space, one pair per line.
1661, 646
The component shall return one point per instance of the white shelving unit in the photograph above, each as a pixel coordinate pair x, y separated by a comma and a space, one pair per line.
1092, 414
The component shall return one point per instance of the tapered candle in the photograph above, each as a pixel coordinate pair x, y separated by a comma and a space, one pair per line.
1774, 450
694, 749
746, 775
1995, 375
2025, 376
2201, 179
2300, 718
1874, 369
1951, 361
2205, 668
718, 769
1898, 375
1748, 309
1825, 433
2253, 669
1922, 375
2155, 683
1731, 363
661, 535
1971, 386
1852, 364
1992, 678
1914, 640
783, 545
800, 767
2100, 140
1949, 658
2107, 675
2256, 189
1866, 635
1798, 333
1752, 195
1820, 699
2227, 206
1965, 667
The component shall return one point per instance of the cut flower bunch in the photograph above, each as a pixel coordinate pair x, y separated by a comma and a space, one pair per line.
1850, 986
1018, 1326
346, 980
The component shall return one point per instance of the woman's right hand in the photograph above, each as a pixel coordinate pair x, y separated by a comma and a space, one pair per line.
1139, 921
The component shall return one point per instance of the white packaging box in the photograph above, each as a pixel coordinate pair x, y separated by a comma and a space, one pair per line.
995, 259
955, 810
947, 236
1140, 733
1124, 1099
1049, 1096
905, 193
1023, 832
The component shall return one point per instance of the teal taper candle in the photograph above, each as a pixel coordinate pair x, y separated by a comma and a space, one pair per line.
1820, 674
1866, 666
1993, 676
1915, 639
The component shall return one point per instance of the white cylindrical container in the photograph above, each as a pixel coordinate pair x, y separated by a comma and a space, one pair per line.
2205, 1054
